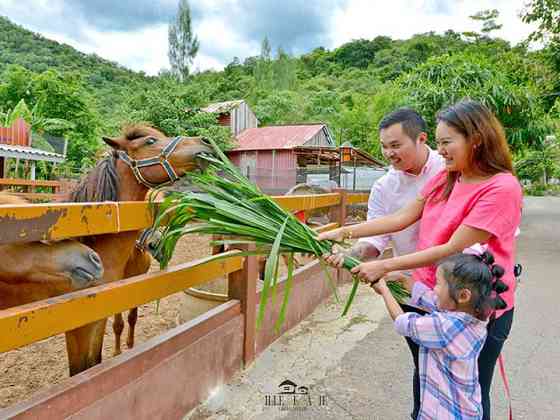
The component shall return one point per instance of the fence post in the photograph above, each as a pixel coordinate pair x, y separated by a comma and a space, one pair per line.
338, 213
242, 285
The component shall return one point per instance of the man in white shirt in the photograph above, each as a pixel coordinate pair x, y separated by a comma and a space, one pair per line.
403, 142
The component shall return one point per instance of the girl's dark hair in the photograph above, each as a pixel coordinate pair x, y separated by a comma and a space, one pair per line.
481, 276
483, 130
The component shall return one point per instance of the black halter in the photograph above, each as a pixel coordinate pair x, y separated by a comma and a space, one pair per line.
135, 165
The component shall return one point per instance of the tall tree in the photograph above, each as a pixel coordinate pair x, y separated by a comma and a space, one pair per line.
488, 18
263, 71
183, 43
284, 71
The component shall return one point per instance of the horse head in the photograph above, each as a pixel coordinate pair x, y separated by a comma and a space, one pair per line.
156, 159
62, 266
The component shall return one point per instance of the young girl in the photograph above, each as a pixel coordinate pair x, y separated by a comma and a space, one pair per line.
452, 335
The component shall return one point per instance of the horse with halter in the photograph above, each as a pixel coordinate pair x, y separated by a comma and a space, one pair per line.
142, 158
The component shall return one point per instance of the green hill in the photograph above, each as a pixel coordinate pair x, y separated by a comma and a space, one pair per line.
36, 53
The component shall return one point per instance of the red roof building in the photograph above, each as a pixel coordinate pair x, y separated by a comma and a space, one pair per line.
267, 155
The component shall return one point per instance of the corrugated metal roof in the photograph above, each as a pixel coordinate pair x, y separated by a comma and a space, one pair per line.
29, 153
221, 107
276, 137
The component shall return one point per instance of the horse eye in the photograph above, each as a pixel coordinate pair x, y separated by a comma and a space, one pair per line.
150, 141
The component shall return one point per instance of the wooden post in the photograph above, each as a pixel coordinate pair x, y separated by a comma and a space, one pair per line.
32, 177
338, 213
1, 167
242, 285
217, 249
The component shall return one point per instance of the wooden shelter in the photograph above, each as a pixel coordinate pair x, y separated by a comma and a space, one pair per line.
16, 143
234, 114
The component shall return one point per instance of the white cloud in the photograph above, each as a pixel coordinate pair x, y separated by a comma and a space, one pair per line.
220, 40
403, 18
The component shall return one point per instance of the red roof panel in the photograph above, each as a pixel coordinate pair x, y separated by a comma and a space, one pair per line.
276, 137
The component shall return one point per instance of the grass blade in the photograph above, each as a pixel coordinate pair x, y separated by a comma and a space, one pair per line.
270, 266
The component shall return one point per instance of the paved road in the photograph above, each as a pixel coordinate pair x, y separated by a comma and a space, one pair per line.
363, 368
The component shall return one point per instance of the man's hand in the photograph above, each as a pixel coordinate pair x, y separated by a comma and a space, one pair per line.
360, 250
336, 259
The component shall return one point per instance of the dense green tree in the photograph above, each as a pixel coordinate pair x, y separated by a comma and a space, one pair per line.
52, 97
546, 14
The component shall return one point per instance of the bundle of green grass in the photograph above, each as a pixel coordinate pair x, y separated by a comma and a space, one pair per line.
228, 205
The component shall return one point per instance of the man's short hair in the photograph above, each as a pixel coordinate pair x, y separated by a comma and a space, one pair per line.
411, 121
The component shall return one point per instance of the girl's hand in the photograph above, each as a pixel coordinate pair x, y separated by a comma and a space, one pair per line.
380, 287
370, 272
399, 277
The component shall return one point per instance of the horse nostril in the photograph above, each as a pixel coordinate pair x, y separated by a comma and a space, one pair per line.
94, 258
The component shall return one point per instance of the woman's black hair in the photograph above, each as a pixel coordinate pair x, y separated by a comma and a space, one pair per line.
481, 276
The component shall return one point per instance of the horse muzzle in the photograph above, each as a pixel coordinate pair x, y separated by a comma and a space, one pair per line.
87, 272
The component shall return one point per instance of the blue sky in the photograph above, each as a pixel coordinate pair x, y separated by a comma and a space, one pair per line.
134, 32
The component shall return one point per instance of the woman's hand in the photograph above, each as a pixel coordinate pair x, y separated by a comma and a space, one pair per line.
337, 235
370, 272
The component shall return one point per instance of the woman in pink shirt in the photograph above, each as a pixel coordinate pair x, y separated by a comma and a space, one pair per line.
476, 199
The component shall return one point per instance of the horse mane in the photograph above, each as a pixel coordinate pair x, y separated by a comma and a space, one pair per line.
9, 199
100, 184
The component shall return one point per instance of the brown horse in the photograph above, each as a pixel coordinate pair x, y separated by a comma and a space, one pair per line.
142, 158
40, 270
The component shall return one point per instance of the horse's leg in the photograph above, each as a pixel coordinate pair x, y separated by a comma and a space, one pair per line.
138, 263
118, 327
84, 346
132, 317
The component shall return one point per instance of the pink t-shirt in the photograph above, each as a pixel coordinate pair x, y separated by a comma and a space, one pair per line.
493, 205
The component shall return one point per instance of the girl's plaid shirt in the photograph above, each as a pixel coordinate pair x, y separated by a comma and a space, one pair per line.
450, 343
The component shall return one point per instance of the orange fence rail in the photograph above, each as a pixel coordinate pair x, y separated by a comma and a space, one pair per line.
24, 223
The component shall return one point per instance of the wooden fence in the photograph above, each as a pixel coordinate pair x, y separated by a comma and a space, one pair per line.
93, 394
27, 188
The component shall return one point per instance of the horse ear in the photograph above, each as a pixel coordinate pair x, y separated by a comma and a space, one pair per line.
113, 142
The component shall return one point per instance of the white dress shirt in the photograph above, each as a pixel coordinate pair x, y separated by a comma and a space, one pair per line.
393, 191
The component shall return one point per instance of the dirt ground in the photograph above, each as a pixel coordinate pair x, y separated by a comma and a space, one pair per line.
26, 370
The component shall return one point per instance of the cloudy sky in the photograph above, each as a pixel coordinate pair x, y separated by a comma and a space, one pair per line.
134, 32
